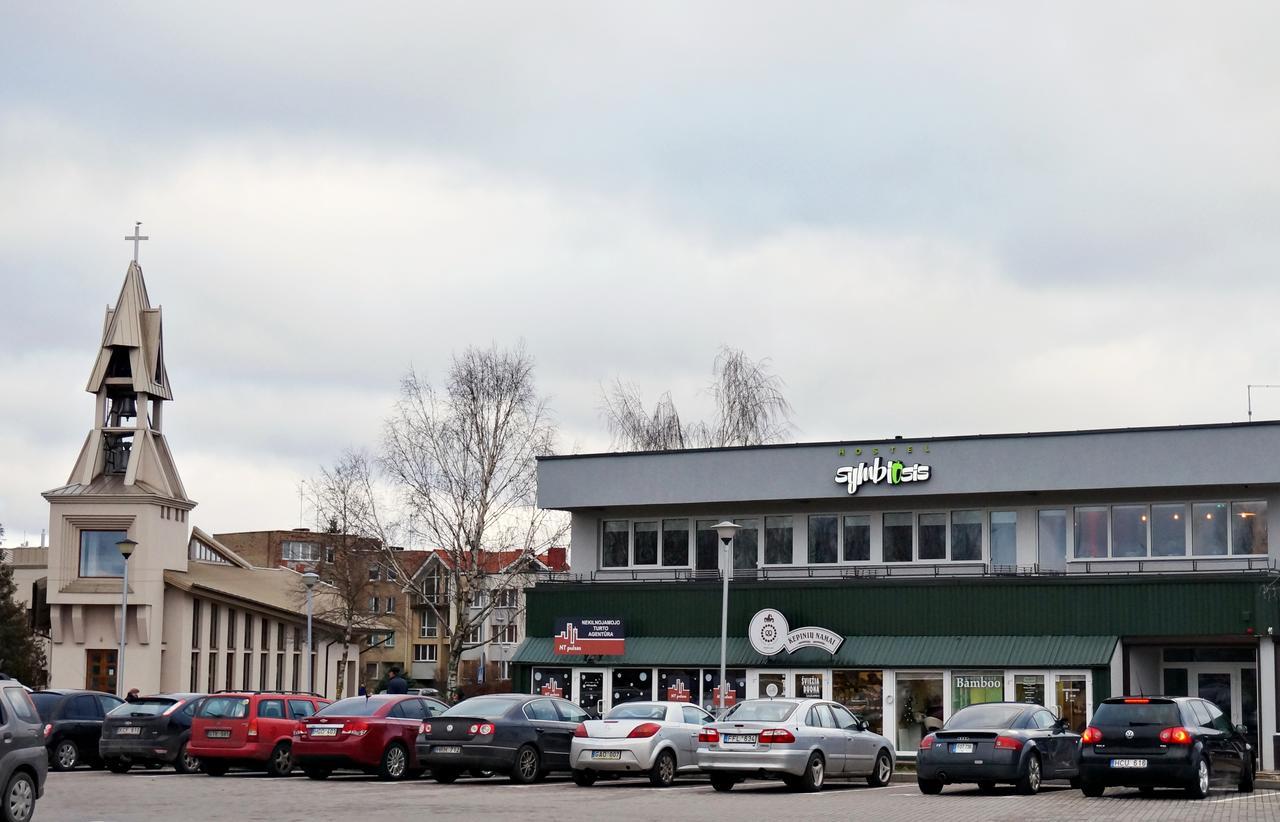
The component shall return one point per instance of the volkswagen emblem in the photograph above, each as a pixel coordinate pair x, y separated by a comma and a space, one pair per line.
450, 728
1128, 734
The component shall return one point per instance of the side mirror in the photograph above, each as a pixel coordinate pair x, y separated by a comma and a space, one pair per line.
862, 725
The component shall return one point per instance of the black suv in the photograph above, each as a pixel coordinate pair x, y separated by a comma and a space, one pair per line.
1164, 742
151, 730
23, 763
72, 725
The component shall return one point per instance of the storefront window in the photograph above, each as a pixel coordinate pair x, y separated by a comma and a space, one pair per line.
1070, 693
1209, 528
614, 549
646, 539
966, 536
1029, 688
777, 541
808, 685
553, 682
710, 688
1052, 542
770, 685
1004, 538
857, 538
1129, 531
632, 684
675, 542
861, 692
974, 687
897, 538
746, 545
918, 698
933, 536
1091, 533
1248, 527
707, 545
678, 685
1168, 530
824, 539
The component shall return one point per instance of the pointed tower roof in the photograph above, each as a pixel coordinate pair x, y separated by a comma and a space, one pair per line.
133, 329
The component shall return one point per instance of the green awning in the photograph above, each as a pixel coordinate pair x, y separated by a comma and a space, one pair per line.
856, 652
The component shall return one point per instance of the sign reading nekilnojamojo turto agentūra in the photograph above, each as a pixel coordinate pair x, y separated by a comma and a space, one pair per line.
584, 636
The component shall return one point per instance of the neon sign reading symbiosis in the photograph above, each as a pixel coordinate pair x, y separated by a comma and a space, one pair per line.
895, 472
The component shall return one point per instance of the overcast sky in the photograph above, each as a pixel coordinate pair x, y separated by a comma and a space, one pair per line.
934, 218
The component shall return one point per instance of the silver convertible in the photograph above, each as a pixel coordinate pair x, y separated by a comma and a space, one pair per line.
801, 741
656, 739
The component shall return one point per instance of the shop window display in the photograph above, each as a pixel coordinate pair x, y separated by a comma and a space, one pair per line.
1029, 688
737, 688
678, 685
918, 702
553, 682
975, 687
861, 692
632, 684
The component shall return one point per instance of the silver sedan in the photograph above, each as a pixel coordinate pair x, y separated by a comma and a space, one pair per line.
656, 739
801, 741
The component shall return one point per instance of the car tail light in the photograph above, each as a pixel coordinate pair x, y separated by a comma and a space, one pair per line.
355, 728
175, 706
486, 729
252, 733
927, 742
300, 729
1175, 736
777, 736
708, 735
1137, 701
1091, 735
48, 729
426, 728
1008, 743
644, 731
581, 731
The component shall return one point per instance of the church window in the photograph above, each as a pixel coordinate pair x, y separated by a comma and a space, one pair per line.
99, 556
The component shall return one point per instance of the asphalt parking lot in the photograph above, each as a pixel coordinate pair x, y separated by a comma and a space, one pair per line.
143, 795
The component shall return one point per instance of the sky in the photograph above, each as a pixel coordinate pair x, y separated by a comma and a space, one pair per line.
931, 218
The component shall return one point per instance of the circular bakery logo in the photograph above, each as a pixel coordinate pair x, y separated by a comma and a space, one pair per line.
768, 631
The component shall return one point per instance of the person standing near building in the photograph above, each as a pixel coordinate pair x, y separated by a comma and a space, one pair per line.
396, 684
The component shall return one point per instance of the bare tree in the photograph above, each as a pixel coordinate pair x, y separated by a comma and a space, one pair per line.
751, 409
463, 458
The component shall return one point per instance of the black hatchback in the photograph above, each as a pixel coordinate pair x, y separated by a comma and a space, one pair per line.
151, 730
1164, 742
72, 724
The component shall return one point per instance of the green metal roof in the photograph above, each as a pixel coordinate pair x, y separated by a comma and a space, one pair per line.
856, 652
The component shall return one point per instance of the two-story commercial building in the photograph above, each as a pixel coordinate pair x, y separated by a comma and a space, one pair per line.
1059, 568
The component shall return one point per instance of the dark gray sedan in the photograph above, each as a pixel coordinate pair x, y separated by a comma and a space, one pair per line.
23, 761
1010, 742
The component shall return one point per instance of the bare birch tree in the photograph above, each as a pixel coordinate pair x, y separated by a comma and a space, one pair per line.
463, 459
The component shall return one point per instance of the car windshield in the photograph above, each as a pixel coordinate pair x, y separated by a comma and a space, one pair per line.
985, 716
761, 710
1137, 714
152, 706
483, 707
638, 711
45, 703
225, 707
355, 706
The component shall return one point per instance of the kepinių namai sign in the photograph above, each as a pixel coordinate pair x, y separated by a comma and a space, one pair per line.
769, 633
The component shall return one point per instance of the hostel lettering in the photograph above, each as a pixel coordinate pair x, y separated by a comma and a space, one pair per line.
895, 472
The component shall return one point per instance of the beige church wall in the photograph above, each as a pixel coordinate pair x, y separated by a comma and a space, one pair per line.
175, 674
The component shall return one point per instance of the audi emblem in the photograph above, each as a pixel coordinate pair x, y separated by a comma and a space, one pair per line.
1128, 734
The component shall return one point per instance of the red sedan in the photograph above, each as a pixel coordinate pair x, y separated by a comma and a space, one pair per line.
374, 734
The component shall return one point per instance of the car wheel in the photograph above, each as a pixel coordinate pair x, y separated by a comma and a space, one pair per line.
281, 761
986, 787
584, 779
883, 770
118, 765
213, 767
19, 798
186, 763
929, 786
722, 782
1246, 777
1029, 783
1199, 788
814, 773
1093, 789
527, 767
316, 773
395, 761
663, 772
445, 776
65, 755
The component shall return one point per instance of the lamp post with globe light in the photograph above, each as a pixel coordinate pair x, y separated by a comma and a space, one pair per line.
309, 580
127, 547
725, 530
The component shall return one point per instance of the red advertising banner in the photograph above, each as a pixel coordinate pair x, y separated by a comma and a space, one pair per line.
679, 692
595, 637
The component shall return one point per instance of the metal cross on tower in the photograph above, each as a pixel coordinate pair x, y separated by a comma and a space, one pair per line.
137, 237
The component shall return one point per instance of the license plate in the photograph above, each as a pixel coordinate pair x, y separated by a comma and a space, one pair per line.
962, 747
606, 754
740, 739
128, 731
447, 749
332, 731
1128, 763
217, 733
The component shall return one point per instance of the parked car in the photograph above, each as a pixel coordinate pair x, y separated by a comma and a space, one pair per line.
374, 734
431, 692
1164, 742
73, 724
658, 739
151, 730
23, 760
524, 736
249, 729
1010, 742
801, 741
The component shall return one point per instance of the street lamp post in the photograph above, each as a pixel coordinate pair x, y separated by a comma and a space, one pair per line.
726, 530
127, 547
309, 580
